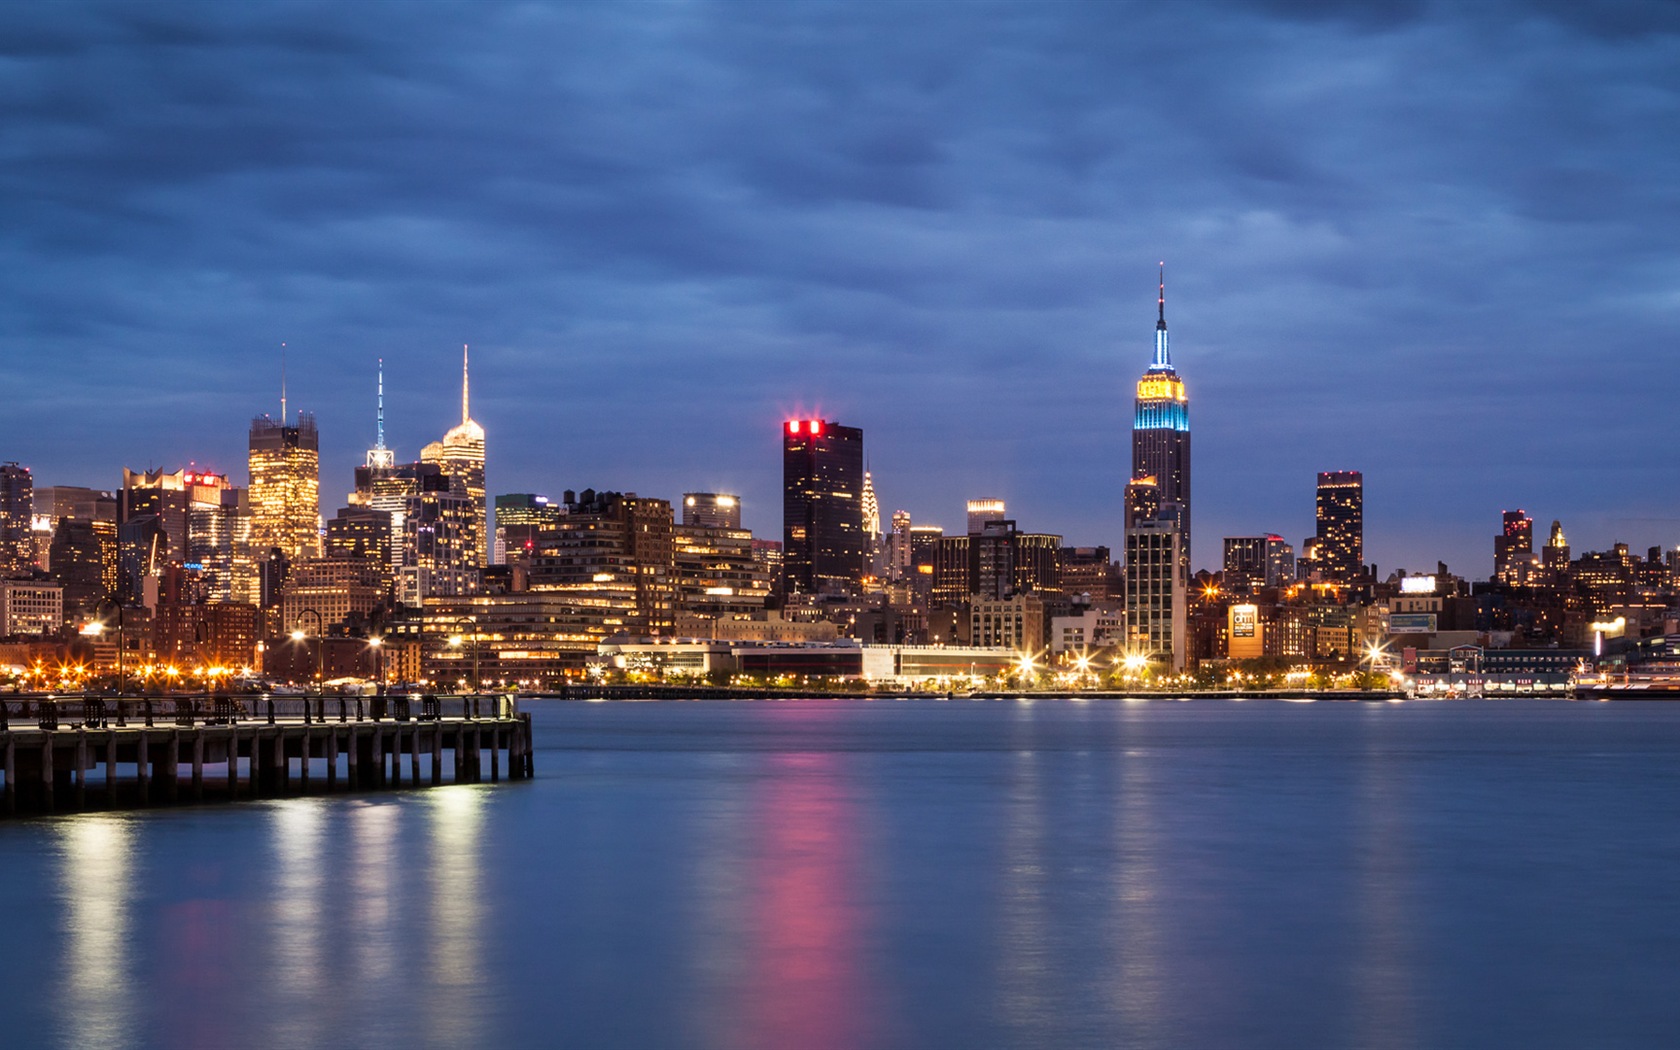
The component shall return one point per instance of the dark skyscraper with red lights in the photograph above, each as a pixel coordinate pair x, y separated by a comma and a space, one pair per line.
823, 544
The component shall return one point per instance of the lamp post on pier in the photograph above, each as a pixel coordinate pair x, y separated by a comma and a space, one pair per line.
299, 635
377, 644
457, 641
98, 627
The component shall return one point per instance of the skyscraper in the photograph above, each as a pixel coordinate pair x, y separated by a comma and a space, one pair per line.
379, 455
17, 510
1341, 524
1253, 562
461, 455
980, 511
1513, 548
1157, 589
433, 525
285, 491
1161, 428
871, 509
823, 541
1556, 556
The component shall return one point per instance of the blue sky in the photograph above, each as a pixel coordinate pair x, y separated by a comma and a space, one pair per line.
1434, 242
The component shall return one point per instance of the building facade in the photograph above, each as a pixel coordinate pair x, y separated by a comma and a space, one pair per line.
285, 490
1157, 591
17, 520
1161, 430
1341, 525
824, 547
1253, 562
711, 510
461, 456
1513, 549
30, 607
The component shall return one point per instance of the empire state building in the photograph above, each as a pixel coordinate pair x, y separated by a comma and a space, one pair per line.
1161, 428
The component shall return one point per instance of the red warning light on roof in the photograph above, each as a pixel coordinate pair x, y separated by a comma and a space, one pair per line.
793, 426
816, 427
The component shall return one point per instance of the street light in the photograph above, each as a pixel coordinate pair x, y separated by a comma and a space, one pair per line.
1377, 656
377, 644
98, 627
456, 641
320, 647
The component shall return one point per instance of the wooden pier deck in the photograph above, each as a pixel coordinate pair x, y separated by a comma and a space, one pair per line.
60, 754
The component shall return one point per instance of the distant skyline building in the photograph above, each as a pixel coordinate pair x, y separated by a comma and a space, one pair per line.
1161, 427
17, 520
898, 546
285, 490
1341, 525
824, 546
711, 510
84, 561
1556, 554
521, 520
871, 508
461, 455
1513, 548
1253, 562
1157, 589
432, 528
980, 511
1143, 501
999, 562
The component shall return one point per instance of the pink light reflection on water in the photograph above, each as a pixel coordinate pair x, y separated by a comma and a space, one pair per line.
808, 983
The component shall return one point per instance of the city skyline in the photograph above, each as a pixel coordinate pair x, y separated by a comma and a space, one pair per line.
1403, 240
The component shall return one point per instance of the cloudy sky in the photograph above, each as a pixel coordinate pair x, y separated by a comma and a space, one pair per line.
1439, 243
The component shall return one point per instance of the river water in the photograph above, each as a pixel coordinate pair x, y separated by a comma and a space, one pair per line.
813, 874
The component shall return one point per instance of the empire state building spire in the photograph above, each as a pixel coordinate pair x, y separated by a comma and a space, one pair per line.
1161, 422
1163, 357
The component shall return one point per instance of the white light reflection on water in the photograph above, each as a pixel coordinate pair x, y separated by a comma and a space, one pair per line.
719, 957
1384, 996
96, 885
1139, 984
1024, 979
456, 985
296, 934
374, 873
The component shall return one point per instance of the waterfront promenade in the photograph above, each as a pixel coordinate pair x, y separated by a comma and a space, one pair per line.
82, 752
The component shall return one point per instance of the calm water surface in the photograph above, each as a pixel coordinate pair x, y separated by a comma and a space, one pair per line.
900, 873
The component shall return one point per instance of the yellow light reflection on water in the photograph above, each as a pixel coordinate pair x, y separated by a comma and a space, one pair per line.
373, 871
456, 875
96, 885
296, 920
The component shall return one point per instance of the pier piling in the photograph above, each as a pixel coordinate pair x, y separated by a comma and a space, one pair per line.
50, 745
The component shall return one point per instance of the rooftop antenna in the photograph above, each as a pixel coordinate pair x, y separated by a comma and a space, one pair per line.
1163, 356
379, 443
464, 417
282, 384
1162, 301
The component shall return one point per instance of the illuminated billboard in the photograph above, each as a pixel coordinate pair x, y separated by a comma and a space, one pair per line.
1245, 639
1411, 623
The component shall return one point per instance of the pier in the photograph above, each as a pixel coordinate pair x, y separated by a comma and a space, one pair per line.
65, 754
